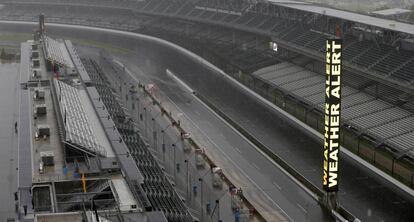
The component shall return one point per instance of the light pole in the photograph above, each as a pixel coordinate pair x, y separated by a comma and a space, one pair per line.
145, 106
163, 145
186, 177
218, 209
154, 132
163, 141
201, 198
138, 106
145, 123
139, 102
175, 174
146, 119
175, 163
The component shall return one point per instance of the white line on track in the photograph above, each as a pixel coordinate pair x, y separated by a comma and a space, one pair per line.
237, 132
302, 208
218, 147
277, 185
313, 195
255, 166
204, 62
317, 134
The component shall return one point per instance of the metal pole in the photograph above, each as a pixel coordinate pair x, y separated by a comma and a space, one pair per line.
139, 106
175, 175
163, 140
153, 124
218, 210
201, 199
145, 111
139, 103
163, 145
154, 135
186, 178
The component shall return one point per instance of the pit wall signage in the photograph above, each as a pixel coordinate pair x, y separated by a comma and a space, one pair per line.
332, 112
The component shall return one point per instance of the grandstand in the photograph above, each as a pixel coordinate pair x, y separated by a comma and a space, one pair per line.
160, 193
92, 158
255, 18
377, 58
57, 53
78, 126
378, 96
376, 117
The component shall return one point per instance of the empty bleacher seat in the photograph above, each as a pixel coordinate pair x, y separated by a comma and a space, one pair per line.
77, 125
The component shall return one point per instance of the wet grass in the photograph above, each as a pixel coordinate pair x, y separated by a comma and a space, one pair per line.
15, 37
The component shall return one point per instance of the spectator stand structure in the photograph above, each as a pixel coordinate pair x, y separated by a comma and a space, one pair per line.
378, 57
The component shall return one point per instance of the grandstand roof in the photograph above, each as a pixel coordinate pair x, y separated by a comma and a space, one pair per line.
391, 11
56, 51
351, 16
289, 2
81, 123
391, 124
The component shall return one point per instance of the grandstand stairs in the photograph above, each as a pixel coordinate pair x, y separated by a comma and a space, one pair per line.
75, 199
